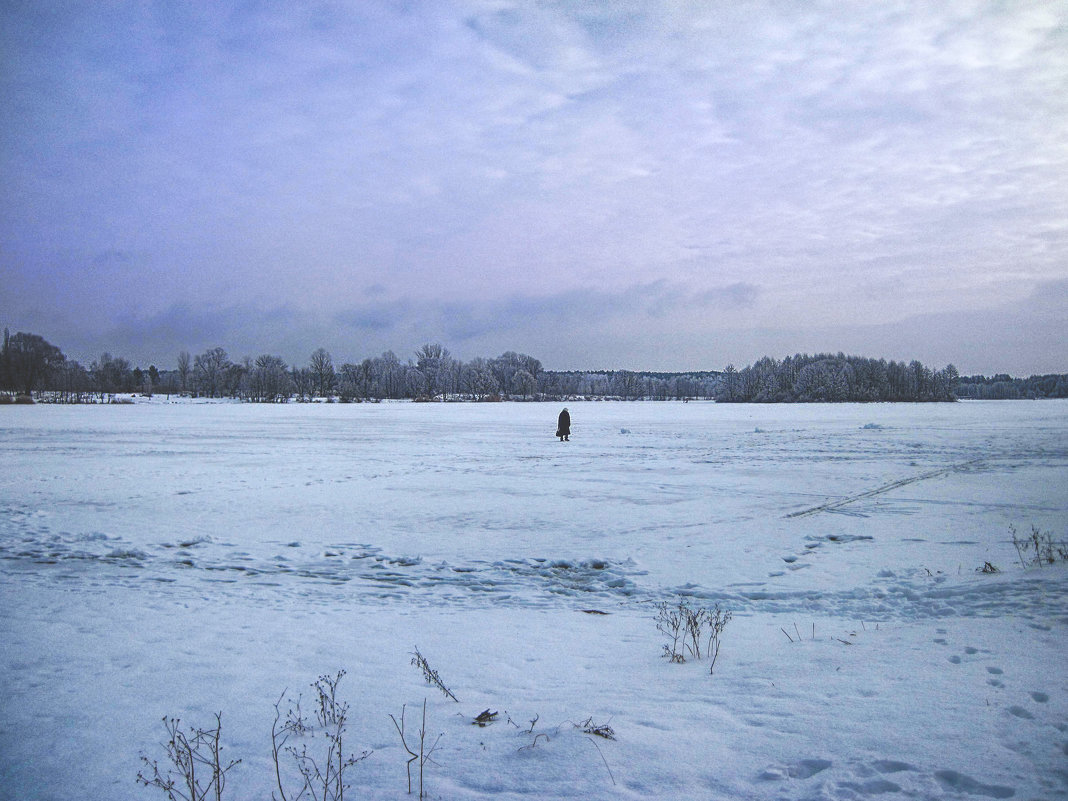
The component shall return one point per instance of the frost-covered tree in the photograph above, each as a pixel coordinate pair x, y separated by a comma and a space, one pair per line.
506, 366
625, 384
415, 383
434, 362
730, 383
835, 378
524, 383
388, 375
477, 379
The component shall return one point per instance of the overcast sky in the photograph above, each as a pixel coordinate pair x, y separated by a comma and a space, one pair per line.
643, 185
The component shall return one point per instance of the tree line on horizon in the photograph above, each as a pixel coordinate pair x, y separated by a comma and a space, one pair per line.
29, 364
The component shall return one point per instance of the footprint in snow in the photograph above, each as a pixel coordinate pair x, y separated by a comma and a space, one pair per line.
804, 769
807, 768
1020, 712
873, 779
958, 782
1039, 698
891, 766
871, 787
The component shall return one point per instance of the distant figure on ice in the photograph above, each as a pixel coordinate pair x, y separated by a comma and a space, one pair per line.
563, 426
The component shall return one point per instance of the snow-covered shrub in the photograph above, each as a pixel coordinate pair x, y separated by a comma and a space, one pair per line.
694, 631
1038, 548
195, 758
323, 779
670, 621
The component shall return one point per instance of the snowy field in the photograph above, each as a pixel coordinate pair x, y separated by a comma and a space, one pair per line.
189, 558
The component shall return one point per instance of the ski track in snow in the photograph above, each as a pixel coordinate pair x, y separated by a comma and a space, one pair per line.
837, 505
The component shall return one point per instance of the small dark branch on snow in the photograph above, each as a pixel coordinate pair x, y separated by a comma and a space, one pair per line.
601, 730
535, 741
605, 761
431, 675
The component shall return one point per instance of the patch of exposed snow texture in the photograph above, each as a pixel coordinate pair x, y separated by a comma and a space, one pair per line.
183, 559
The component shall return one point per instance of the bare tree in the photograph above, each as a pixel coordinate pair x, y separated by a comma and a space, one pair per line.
322, 370
210, 369
268, 380
303, 382
110, 373
185, 365
72, 381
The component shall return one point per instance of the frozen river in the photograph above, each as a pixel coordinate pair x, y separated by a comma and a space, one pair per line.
137, 541
466, 503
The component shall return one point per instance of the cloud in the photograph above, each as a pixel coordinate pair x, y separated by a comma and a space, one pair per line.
737, 295
646, 326
501, 169
381, 316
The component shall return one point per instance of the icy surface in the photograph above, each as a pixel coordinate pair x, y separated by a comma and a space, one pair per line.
187, 558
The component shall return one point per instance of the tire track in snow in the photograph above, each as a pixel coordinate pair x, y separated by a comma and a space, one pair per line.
832, 505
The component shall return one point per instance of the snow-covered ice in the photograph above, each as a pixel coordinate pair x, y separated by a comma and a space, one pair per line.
187, 558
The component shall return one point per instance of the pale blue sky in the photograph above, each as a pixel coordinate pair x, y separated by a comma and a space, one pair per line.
652, 185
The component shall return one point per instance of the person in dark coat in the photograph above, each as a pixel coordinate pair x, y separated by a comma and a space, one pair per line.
563, 426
